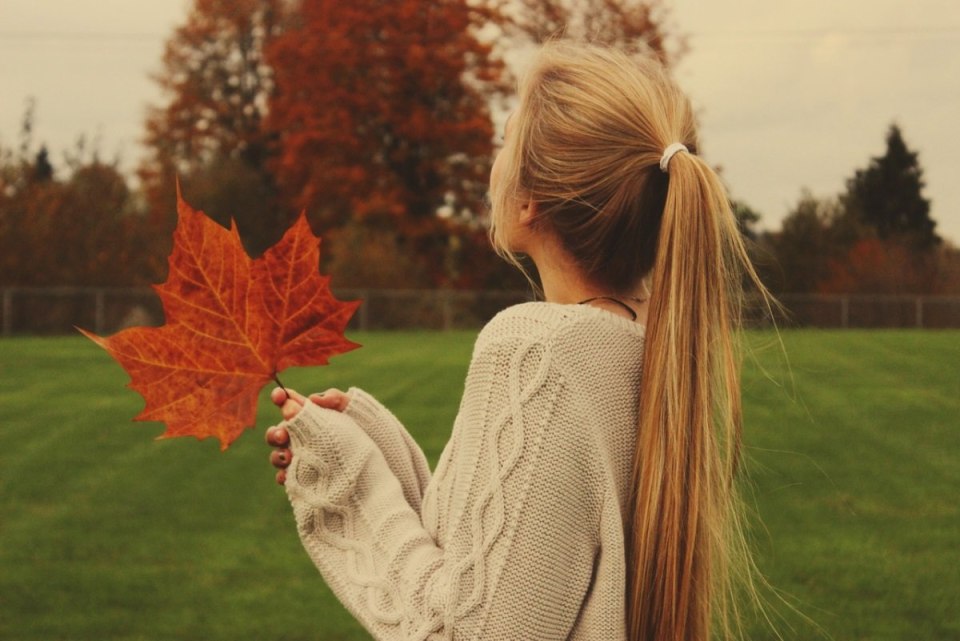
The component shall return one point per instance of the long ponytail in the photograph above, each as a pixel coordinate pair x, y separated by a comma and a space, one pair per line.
588, 136
686, 539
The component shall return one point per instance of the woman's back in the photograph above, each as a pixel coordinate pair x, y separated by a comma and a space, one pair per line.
543, 446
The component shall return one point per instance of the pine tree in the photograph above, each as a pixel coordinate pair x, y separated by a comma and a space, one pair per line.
887, 195
42, 169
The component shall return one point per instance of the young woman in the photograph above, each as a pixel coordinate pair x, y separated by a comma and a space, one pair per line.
588, 488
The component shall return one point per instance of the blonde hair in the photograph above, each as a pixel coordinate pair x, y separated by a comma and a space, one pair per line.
586, 143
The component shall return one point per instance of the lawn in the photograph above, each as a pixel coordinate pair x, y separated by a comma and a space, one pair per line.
108, 534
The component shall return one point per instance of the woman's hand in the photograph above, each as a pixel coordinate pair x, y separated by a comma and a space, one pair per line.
290, 404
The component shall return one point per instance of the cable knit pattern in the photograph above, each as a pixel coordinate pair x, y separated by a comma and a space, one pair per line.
404, 456
520, 532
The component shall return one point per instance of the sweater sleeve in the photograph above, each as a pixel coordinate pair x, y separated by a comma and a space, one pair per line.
519, 539
402, 454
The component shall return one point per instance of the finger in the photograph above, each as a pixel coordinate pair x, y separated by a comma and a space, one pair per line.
281, 458
296, 396
278, 396
290, 408
332, 399
281, 477
277, 436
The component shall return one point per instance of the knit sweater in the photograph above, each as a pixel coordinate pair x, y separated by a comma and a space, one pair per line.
519, 533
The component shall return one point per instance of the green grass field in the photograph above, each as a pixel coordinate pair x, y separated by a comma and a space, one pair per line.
108, 534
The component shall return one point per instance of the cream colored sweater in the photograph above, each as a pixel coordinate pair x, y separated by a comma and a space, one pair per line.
519, 534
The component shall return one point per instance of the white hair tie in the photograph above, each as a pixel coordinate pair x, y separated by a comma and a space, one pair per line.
668, 153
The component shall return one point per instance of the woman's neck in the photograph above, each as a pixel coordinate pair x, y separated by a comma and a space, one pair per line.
563, 282
564, 285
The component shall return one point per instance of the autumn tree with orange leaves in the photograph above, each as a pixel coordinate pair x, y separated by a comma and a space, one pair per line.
78, 228
210, 132
382, 116
374, 117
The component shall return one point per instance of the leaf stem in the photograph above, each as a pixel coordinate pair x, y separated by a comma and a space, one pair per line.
276, 379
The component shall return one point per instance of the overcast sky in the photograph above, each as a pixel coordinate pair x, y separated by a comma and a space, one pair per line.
791, 94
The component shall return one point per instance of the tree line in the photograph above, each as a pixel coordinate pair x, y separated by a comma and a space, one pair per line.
377, 119
876, 237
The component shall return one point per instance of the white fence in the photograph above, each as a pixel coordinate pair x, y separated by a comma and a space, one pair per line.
57, 310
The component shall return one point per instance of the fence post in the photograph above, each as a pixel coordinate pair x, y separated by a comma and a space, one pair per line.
919, 309
99, 316
845, 312
7, 311
364, 309
445, 300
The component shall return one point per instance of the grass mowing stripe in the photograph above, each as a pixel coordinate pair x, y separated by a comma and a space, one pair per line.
106, 534
864, 529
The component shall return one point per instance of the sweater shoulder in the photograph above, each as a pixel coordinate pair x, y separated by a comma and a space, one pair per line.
552, 324
526, 321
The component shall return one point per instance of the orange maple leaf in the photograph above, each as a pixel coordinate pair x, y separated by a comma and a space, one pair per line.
232, 323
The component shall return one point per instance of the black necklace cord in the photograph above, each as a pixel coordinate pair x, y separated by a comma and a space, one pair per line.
619, 302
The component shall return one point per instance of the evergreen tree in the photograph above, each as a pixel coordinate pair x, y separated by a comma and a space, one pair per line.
42, 169
887, 195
